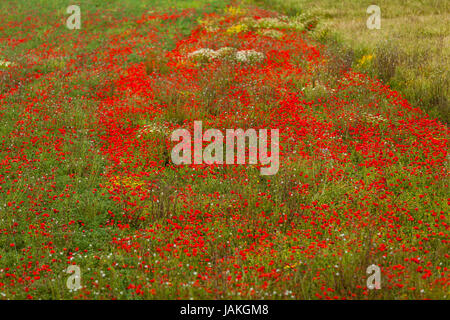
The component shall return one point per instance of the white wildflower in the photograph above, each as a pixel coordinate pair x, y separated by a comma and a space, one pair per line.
225, 52
249, 56
203, 55
152, 128
4, 63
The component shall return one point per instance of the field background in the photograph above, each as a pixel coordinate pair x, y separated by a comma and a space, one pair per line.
84, 176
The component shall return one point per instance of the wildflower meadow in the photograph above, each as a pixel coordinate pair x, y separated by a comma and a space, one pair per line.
212, 150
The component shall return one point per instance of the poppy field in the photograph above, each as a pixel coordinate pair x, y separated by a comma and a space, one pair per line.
87, 178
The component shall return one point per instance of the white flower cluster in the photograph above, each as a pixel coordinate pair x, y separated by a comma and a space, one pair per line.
203, 55
373, 118
4, 63
227, 53
249, 56
151, 128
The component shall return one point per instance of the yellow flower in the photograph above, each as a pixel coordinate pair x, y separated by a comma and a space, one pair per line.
292, 266
234, 11
237, 28
365, 59
129, 182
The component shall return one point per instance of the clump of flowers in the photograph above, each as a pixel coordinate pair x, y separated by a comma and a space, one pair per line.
203, 55
206, 55
129, 182
210, 24
6, 64
249, 56
226, 53
235, 11
154, 128
297, 23
365, 60
373, 118
237, 28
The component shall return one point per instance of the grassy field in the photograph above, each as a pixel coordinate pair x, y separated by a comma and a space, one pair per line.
86, 178
410, 52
